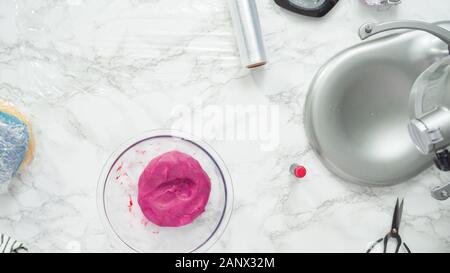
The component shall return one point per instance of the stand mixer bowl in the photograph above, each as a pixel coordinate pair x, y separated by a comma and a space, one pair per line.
356, 112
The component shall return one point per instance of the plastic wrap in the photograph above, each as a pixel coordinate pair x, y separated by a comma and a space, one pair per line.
14, 140
77, 47
16, 145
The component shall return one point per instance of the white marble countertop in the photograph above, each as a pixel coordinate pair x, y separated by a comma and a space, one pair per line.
92, 74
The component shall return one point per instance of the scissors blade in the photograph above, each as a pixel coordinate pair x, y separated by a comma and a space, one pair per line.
397, 218
394, 217
399, 215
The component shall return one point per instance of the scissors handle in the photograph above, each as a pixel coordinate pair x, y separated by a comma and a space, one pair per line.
392, 236
374, 244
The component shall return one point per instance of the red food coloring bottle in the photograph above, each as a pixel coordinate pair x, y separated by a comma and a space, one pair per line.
298, 170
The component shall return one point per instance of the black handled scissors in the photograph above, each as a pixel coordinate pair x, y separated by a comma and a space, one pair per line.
394, 233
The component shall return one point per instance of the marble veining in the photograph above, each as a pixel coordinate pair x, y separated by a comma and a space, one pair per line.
92, 74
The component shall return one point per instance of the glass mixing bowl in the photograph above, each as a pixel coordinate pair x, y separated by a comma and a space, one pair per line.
118, 188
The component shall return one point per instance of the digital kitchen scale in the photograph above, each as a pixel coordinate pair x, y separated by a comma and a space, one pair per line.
313, 8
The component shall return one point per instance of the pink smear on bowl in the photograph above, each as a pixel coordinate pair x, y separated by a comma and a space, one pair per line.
173, 190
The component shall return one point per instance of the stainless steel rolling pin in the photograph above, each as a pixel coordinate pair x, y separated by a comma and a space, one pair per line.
244, 14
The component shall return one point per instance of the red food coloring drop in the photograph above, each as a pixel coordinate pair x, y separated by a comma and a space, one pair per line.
120, 167
300, 172
144, 222
118, 174
130, 204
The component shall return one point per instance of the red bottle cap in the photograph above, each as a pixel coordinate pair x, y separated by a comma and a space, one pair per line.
300, 172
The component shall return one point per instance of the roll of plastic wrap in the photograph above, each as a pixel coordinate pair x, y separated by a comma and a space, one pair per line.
247, 27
